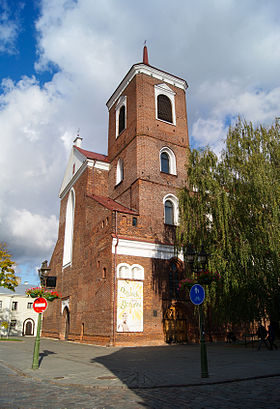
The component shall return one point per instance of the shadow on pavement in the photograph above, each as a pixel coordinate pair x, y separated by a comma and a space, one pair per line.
43, 354
142, 367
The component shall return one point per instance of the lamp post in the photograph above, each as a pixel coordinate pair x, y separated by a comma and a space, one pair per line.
202, 258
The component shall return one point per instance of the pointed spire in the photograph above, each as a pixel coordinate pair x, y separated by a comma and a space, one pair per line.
145, 54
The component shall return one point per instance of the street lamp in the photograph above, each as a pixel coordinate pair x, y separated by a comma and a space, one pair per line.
202, 259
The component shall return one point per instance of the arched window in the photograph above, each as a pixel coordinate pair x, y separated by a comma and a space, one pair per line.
167, 161
168, 212
127, 272
164, 108
122, 119
171, 209
119, 173
175, 275
164, 162
120, 115
69, 227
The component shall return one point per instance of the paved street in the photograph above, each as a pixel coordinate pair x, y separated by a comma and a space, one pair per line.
85, 376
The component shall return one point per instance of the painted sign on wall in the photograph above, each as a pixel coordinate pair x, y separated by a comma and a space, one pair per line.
130, 306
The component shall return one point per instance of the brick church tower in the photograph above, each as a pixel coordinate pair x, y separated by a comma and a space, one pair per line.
114, 261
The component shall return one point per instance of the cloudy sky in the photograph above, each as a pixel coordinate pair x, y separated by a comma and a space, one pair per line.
60, 61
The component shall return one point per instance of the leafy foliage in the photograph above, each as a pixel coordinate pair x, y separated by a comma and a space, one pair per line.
231, 205
7, 272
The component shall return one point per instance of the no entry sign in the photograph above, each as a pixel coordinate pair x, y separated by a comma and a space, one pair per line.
40, 304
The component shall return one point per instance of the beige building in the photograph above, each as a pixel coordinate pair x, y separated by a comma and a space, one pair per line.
17, 310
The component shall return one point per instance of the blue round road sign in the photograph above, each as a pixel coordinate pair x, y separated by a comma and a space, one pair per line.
197, 294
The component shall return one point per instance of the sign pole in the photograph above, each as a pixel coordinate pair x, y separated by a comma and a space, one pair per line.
35, 364
197, 296
39, 305
203, 350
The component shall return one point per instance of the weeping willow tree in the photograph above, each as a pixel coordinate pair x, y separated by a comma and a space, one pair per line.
231, 206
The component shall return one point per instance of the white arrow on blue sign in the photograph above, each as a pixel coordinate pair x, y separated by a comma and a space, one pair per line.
197, 294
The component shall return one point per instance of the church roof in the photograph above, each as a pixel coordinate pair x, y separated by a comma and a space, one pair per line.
112, 204
92, 155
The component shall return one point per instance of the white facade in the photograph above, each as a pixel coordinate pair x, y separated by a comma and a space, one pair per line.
17, 310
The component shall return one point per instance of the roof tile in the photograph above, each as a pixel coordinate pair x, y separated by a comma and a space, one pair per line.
112, 204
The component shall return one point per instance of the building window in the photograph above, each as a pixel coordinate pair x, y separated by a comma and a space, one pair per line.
104, 273
167, 161
168, 212
164, 108
69, 227
171, 209
120, 115
175, 273
0, 305
134, 221
29, 305
13, 323
164, 162
122, 119
165, 103
124, 271
127, 272
119, 173
14, 305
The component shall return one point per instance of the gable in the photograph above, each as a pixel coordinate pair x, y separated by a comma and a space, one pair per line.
165, 88
75, 162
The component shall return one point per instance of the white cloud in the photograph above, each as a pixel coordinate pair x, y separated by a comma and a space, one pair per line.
38, 232
210, 132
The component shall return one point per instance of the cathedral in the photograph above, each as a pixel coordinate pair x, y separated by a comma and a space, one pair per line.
114, 262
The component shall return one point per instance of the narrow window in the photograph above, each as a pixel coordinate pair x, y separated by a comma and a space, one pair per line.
119, 175
122, 119
0, 305
69, 226
168, 212
164, 162
120, 115
14, 305
173, 280
104, 273
29, 305
134, 221
164, 108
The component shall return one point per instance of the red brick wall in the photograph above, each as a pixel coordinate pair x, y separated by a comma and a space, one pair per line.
91, 294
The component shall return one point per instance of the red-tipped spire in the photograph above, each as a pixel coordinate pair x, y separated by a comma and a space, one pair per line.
145, 55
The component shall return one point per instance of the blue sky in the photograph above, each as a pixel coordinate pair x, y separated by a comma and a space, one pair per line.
60, 61
20, 52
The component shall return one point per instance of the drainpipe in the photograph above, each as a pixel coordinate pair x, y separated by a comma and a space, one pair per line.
115, 278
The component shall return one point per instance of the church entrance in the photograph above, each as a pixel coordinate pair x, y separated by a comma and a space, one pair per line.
175, 323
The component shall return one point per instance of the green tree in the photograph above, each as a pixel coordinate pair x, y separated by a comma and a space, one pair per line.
7, 272
231, 205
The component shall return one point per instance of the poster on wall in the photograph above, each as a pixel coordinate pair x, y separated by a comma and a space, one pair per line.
130, 306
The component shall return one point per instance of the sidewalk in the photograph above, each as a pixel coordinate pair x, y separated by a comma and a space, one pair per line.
67, 363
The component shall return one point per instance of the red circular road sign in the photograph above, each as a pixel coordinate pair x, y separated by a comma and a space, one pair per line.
40, 304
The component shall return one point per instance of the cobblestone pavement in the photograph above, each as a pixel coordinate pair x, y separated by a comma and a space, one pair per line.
22, 392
